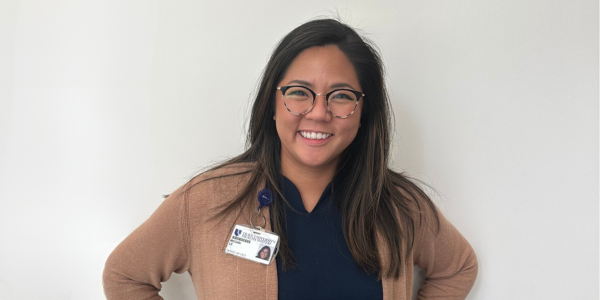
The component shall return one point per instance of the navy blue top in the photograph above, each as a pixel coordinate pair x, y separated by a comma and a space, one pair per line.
325, 268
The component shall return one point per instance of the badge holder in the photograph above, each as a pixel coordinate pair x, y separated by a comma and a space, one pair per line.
254, 242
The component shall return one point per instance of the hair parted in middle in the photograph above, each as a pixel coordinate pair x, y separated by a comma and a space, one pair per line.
374, 201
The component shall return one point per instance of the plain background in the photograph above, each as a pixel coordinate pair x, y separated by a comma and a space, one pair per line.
107, 105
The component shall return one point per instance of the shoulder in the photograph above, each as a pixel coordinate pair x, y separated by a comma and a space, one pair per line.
215, 186
414, 195
223, 174
416, 208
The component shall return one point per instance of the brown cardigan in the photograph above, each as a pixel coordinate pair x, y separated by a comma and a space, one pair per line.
178, 237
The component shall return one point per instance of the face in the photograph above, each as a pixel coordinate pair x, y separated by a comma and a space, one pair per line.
322, 69
264, 253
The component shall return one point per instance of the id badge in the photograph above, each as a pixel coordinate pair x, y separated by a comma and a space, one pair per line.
252, 244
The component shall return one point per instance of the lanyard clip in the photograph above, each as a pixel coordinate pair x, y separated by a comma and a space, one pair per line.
265, 198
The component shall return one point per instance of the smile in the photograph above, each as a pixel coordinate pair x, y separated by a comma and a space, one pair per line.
314, 135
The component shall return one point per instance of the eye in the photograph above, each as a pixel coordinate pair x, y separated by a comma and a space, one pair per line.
343, 95
297, 93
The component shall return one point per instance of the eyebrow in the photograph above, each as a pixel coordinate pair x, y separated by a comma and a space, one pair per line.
333, 86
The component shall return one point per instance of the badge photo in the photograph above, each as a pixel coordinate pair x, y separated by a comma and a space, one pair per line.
252, 244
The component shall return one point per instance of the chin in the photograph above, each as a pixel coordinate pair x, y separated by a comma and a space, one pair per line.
316, 162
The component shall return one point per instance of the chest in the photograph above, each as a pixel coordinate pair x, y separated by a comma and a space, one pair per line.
324, 267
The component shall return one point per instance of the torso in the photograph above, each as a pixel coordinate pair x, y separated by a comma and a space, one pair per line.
325, 268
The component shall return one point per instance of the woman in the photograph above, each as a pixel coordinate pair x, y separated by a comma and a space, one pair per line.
264, 253
349, 227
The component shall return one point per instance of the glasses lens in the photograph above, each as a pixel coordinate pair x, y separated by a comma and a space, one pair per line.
298, 99
342, 103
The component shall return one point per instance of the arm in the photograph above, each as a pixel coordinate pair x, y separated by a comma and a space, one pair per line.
448, 260
150, 254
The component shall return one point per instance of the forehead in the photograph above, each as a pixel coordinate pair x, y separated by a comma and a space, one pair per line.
322, 65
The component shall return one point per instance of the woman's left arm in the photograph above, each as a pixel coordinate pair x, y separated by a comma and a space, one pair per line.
448, 260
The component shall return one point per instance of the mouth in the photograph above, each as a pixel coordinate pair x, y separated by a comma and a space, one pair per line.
311, 135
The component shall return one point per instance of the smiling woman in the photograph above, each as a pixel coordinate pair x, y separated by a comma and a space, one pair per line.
312, 141
264, 253
349, 227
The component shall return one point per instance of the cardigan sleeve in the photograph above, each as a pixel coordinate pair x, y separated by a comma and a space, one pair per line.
150, 254
448, 260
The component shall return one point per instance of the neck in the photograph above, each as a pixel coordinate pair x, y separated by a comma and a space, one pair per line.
310, 182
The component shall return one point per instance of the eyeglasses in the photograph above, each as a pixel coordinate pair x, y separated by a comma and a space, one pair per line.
299, 100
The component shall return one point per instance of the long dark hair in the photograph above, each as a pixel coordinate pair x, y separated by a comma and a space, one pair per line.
375, 202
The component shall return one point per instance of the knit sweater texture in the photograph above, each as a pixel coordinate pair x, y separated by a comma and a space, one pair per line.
181, 236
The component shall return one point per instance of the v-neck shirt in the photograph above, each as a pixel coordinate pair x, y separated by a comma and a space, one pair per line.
325, 268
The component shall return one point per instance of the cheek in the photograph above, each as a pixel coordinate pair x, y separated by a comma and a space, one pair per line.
358, 115
355, 118
285, 123
355, 125
358, 111
278, 109
279, 119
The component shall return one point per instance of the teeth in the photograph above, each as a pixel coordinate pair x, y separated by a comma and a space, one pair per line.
314, 135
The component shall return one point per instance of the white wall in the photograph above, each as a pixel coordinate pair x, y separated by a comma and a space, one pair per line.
107, 105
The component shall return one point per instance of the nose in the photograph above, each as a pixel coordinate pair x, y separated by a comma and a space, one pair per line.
319, 112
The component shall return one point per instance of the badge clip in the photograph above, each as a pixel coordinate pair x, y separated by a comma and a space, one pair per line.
255, 243
265, 198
